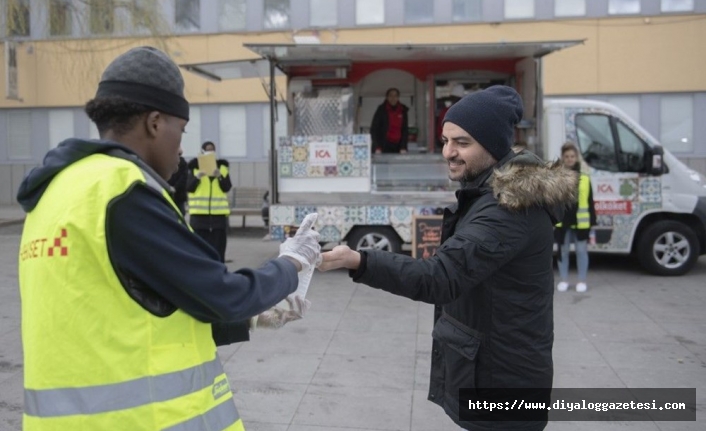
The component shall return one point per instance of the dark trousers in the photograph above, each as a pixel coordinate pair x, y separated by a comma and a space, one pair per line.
217, 238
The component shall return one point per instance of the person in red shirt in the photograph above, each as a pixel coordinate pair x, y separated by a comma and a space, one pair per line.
389, 129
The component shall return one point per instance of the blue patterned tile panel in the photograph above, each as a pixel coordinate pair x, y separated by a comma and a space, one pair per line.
330, 233
299, 169
315, 171
301, 212
651, 190
355, 215
285, 155
360, 153
345, 169
378, 215
361, 139
299, 141
277, 233
285, 141
345, 140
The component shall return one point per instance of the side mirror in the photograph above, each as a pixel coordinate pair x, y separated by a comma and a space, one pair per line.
655, 160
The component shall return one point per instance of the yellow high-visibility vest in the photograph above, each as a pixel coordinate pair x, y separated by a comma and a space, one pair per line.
94, 358
583, 214
208, 198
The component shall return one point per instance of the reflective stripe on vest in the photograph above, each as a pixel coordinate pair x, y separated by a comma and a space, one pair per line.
583, 213
208, 198
119, 396
105, 362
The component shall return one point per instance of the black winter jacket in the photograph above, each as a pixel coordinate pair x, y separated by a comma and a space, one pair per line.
492, 282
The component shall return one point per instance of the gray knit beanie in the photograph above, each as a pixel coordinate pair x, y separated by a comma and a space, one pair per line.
489, 116
147, 76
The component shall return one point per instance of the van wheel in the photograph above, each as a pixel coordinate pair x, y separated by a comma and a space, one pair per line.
668, 248
375, 238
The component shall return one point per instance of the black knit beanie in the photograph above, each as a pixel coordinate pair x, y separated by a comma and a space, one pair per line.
489, 116
147, 76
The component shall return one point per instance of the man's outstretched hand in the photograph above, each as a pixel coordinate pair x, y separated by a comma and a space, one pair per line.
340, 256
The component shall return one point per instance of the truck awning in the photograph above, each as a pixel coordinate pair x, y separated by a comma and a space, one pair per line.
287, 56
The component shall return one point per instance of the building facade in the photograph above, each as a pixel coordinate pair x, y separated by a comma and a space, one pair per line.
645, 56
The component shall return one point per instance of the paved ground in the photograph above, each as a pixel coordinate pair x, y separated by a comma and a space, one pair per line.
360, 359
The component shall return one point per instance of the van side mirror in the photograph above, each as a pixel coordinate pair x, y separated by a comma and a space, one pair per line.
655, 160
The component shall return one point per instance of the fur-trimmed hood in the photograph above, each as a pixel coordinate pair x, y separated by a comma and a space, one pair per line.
527, 181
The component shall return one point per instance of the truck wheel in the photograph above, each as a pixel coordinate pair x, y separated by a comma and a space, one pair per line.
375, 238
668, 248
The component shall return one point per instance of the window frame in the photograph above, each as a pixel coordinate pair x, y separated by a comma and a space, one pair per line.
638, 12
474, 19
221, 15
677, 11
19, 10
407, 20
369, 24
93, 23
179, 26
287, 26
66, 6
8, 122
519, 18
335, 20
556, 3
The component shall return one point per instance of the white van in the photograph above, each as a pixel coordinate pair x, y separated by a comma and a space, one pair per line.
647, 201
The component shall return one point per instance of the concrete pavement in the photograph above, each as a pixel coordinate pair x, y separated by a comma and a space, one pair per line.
360, 359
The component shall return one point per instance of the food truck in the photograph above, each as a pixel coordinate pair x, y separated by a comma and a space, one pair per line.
388, 201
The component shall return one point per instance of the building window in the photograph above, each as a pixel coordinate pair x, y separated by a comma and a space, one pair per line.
323, 13
623, 7
102, 16
19, 128
369, 12
191, 138
233, 15
569, 7
466, 10
276, 14
418, 11
187, 15
280, 126
145, 15
61, 126
677, 5
519, 9
233, 131
677, 123
18, 18
60, 18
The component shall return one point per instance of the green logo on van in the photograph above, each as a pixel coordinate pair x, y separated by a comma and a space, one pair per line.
220, 388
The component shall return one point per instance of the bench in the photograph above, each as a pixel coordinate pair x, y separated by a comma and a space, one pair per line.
245, 201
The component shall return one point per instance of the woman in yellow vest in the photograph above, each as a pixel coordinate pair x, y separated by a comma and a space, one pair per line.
576, 226
121, 301
208, 201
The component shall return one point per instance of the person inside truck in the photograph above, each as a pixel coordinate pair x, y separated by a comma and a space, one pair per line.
577, 224
492, 278
389, 129
120, 315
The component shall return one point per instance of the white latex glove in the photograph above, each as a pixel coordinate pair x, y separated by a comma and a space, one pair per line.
304, 245
277, 317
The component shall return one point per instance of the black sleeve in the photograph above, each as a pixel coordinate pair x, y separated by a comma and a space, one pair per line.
224, 181
192, 183
229, 333
375, 129
405, 129
148, 243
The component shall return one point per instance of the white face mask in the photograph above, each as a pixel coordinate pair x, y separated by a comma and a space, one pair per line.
207, 152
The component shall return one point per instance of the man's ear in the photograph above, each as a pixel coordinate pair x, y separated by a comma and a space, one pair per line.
152, 123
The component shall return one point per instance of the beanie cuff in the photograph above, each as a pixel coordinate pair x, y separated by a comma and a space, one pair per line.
153, 97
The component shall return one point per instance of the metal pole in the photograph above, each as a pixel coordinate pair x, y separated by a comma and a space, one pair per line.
274, 189
539, 108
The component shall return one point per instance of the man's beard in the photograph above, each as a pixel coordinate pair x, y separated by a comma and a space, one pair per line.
477, 169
